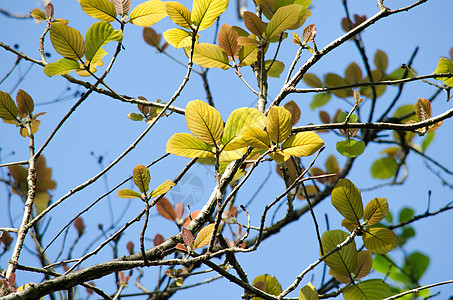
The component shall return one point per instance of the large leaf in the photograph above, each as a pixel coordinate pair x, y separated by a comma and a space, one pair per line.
237, 121
256, 138
308, 292
67, 41
210, 56
350, 147
278, 124
379, 240
162, 189
204, 121
272, 286
179, 14
416, 264
375, 211
103, 10
98, 35
205, 12
185, 144
247, 55
128, 194
373, 289
25, 102
8, 109
178, 38
228, 40
141, 177
253, 23
343, 261
384, 168
203, 237
347, 200
285, 18
148, 13
445, 66
302, 144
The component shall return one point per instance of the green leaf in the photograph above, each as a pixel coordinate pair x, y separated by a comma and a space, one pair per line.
308, 292
237, 121
276, 68
445, 66
148, 13
61, 67
185, 144
272, 286
267, 7
405, 215
428, 140
379, 240
347, 200
312, 80
103, 10
205, 12
141, 177
228, 40
375, 211
128, 194
302, 144
25, 102
179, 14
210, 56
98, 35
163, 188
178, 38
204, 236
278, 124
320, 100
253, 23
332, 164
383, 264
344, 261
416, 264
373, 289
67, 41
283, 19
38, 14
342, 117
350, 147
381, 61
353, 73
8, 109
135, 117
384, 168
204, 121
334, 80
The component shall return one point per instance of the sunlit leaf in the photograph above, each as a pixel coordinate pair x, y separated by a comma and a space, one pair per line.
122, 7
162, 189
274, 68
248, 55
165, 209
349, 225
294, 110
283, 19
128, 194
8, 109
320, 100
205, 12
272, 286
203, 237
279, 156
187, 237
148, 13
343, 261
179, 14
278, 124
98, 35
334, 80
347, 200
384, 168
67, 41
379, 240
247, 40
253, 23
141, 177
302, 144
308, 292
237, 121
41, 201
445, 66
187, 145
178, 38
210, 56
256, 137
93, 66
381, 61
135, 117
38, 14
228, 40
423, 109
103, 10
34, 128
25, 102
350, 147
204, 121
375, 211
373, 289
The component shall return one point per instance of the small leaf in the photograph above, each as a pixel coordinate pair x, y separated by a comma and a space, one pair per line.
178, 38
253, 23
343, 261
308, 292
373, 289
364, 263
122, 7
384, 168
272, 286
284, 18
163, 188
375, 211
406, 214
103, 10
353, 73
141, 178
205, 12
332, 164
294, 110
135, 117
34, 128
320, 100
237, 121
379, 240
210, 56
445, 66
347, 200
334, 80
25, 102
38, 14
312, 80
275, 69
278, 124
189, 218
187, 237
416, 264
309, 33
151, 37
349, 225
381, 61
41, 201
204, 121
128, 194
324, 117
67, 41
8, 109
179, 14
98, 35
228, 40
350, 147
185, 144
423, 109
203, 237
148, 13
302, 144
158, 239
165, 209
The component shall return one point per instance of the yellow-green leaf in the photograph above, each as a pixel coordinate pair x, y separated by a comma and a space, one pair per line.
61, 67
334, 80
308, 292
267, 7
253, 23
373, 289
379, 240
279, 156
98, 35
343, 261
205, 12
384, 168
237, 121
302, 144
38, 14
247, 55
256, 137
34, 128
163, 188
284, 18
272, 286
141, 177
353, 73
350, 147
179, 14
381, 61
8, 109
41, 201
312, 80
128, 194
375, 211
232, 154
185, 144
103, 10
178, 38
204, 121
93, 65
445, 66
275, 68
203, 237
349, 225
347, 200
148, 13
364, 263
67, 41
25, 102
210, 56
278, 124
228, 40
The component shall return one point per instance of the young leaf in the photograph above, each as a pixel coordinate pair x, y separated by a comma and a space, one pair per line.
253, 23
203, 237
38, 14
302, 144
41, 201
343, 261
148, 13
423, 109
373, 289
308, 292
275, 68
179, 14
25, 102
103, 10
384, 168
349, 225
128, 194
309, 33
151, 37
178, 38
204, 121
185, 144
135, 117
375, 211
284, 18
278, 124
122, 7
350, 147
98, 35
347, 200
210, 56
158, 239
237, 121
320, 100
8, 109
205, 12
445, 66
256, 138
165, 209
379, 240
162, 189
228, 40
141, 177
272, 286
34, 128
294, 110
67, 41
187, 237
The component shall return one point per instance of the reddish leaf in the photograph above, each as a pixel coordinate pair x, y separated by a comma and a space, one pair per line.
179, 210
187, 237
228, 40
423, 109
165, 209
181, 247
130, 247
253, 23
158, 239
80, 227
190, 218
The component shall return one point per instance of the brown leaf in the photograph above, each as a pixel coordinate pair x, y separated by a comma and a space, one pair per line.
292, 107
324, 116
79, 226
49, 10
130, 247
151, 37
187, 237
253, 23
179, 209
158, 239
165, 209
181, 247
190, 218
309, 33
228, 40
423, 109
